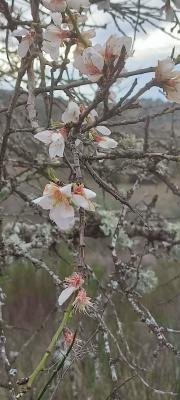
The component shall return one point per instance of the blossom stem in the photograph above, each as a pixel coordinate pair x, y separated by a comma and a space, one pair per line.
41, 366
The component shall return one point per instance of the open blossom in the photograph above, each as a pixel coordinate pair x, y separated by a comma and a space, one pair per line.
114, 46
93, 60
82, 197
57, 200
90, 63
105, 143
54, 35
26, 41
74, 282
71, 114
82, 302
169, 79
55, 140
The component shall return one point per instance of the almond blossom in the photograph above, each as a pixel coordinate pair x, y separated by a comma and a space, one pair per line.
114, 45
168, 79
57, 200
93, 60
82, 302
26, 41
90, 63
54, 36
82, 197
55, 140
74, 282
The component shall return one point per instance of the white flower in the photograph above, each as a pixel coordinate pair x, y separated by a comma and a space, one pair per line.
57, 200
71, 114
26, 41
55, 5
82, 197
54, 36
106, 142
168, 79
54, 139
92, 60
74, 282
90, 63
114, 46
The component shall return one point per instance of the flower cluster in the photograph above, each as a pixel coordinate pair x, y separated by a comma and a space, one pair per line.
74, 284
101, 61
61, 201
55, 139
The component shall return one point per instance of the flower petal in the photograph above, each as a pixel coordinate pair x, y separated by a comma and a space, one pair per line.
104, 130
63, 216
19, 32
44, 201
65, 294
89, 193
44, 136
108, 144
81, 201
56, 148
57, 19
67, 189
